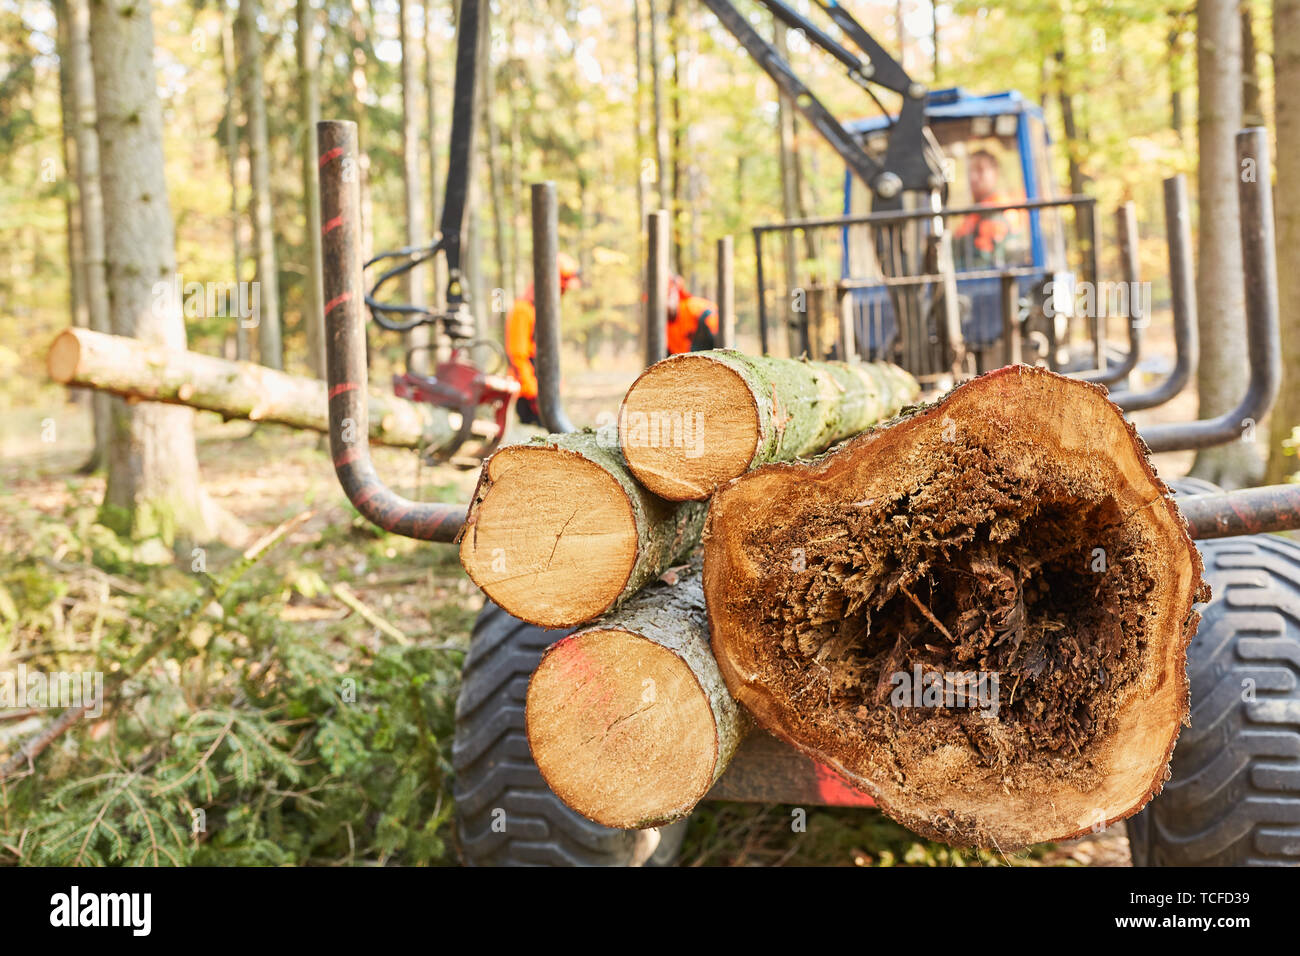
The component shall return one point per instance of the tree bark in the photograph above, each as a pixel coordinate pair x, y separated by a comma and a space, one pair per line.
1252, 109
693, 422
145, 373
153, 475
785, 120
978, 614
360, 95
90, 199
242, 350
418, 337
559, 532
313, 318
628, 719
657, 104
270, 350
1285, 416
1220, 284
431, 53
76, 256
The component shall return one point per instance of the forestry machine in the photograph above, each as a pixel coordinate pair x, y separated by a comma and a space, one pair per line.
933, 287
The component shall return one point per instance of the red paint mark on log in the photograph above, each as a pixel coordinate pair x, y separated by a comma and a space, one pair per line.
330, 154
342, 387
331, 225
336, 301
837, 792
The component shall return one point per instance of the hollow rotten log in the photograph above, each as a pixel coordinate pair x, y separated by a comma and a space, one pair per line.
978, 614
141, 372
628, 719
692, 422
559, 532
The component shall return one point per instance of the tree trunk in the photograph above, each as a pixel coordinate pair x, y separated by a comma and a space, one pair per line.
431, 53
785, 121
628, 719
642, 192
1286, 71
1252, 110
242, 350
978, 614
657, 104
693, 422
413, 201
360, 95
309, 110
90, 200
248, 40
677, 140
496, 178
1177, 83
1220, 284
153, 475
147, 373
1082, 228
559, 532
76, 256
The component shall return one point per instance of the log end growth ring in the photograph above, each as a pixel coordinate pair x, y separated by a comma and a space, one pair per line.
64, 357
688, 424
979, 614
552, 537
621, 729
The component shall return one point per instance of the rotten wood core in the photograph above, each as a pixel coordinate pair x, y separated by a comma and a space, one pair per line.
629, 720
559, 532
978, 613
692, 422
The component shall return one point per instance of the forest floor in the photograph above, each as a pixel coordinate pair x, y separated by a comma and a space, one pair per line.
265, 475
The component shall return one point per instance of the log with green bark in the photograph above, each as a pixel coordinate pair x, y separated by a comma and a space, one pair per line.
628, 718
142, 372
559, 532
693, 422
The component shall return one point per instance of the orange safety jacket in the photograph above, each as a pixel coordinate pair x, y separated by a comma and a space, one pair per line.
521, 343
685, 325
988, 230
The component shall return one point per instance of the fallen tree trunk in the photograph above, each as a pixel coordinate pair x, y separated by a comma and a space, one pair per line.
628, 719
979, 614
558, 531
136, 370
692, 422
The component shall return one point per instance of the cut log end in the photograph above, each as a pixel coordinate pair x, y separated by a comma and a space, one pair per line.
64, 357
979, 615
621, 729
687, 425
552, 537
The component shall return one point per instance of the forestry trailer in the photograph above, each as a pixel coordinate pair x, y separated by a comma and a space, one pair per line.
906, 293
1011, 529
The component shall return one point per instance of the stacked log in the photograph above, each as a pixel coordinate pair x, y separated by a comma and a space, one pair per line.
974, 611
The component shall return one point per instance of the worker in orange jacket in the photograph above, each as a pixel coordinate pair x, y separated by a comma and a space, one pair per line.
521, 341
692, 320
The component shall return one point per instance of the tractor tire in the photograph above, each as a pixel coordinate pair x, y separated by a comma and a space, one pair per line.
1234, 795
506, 814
